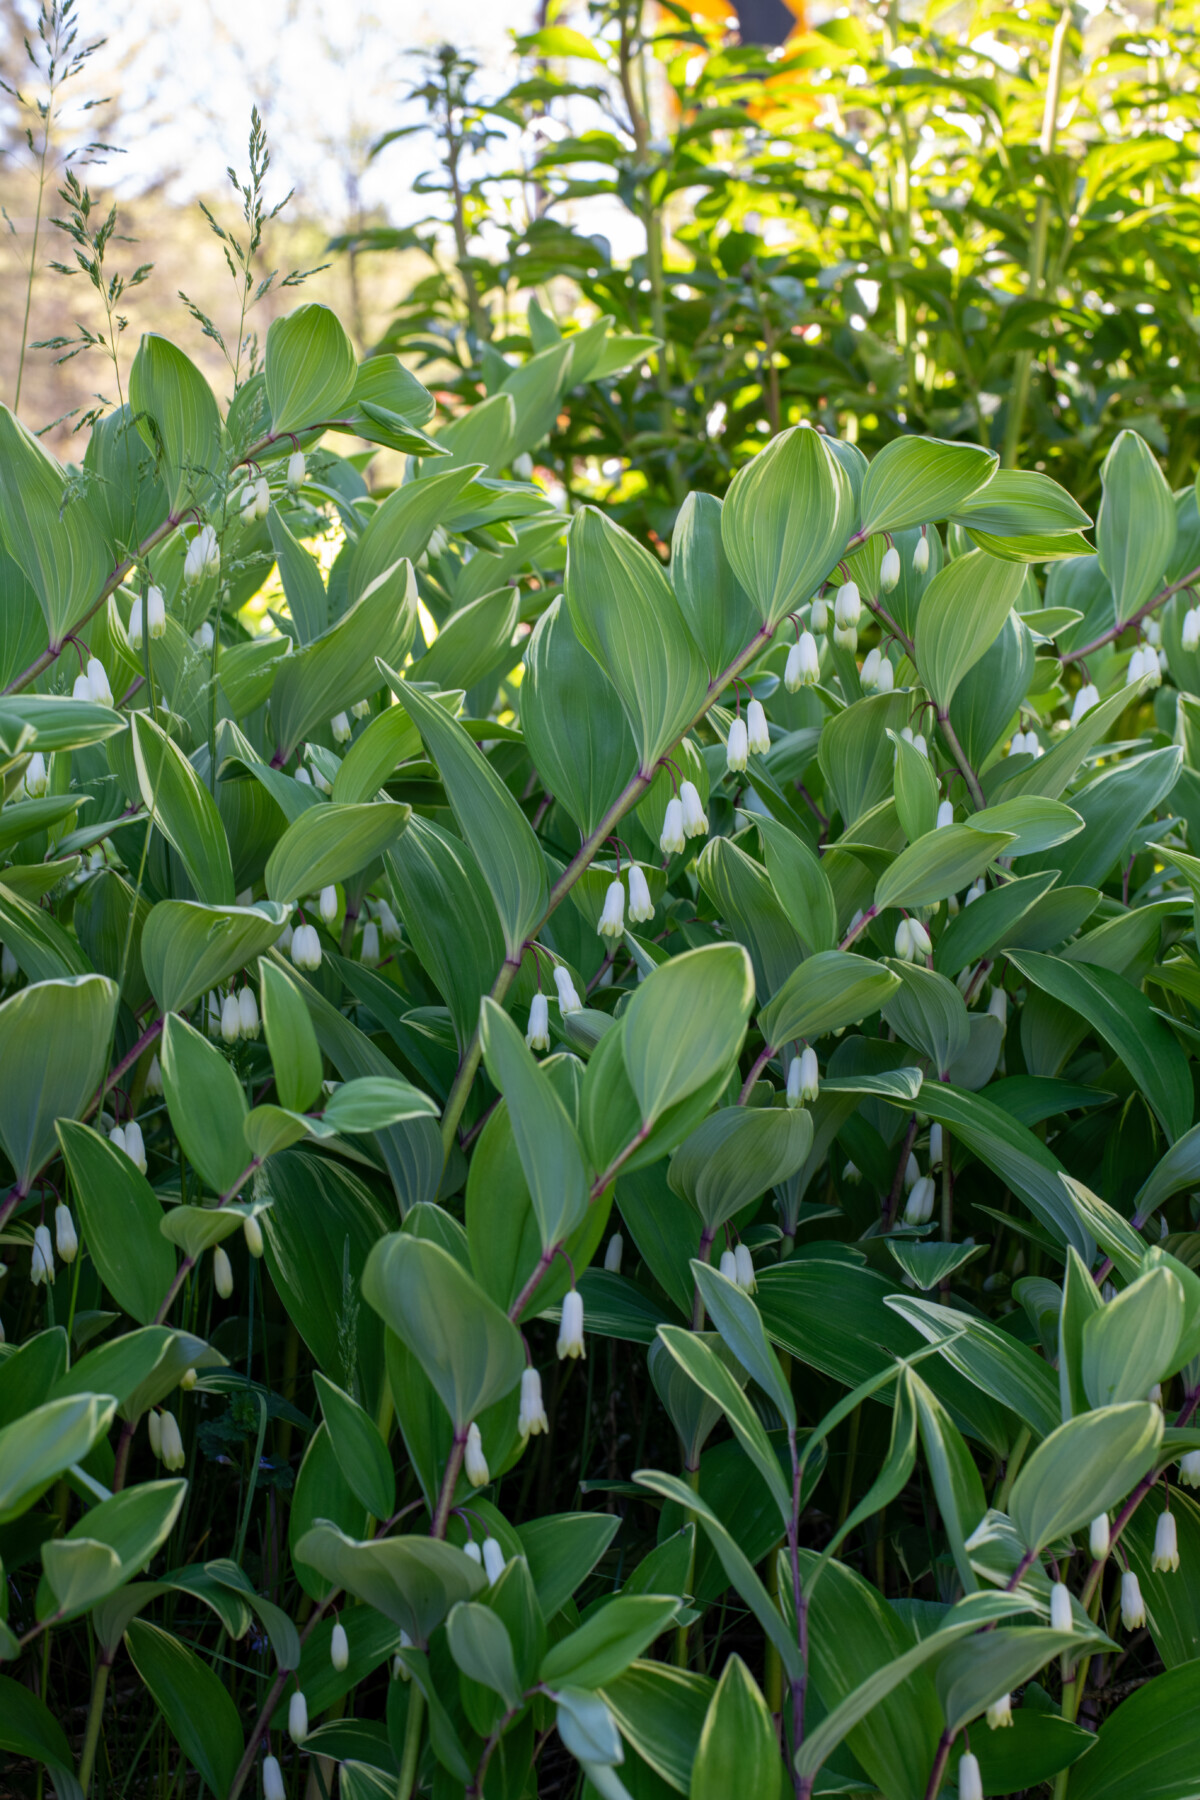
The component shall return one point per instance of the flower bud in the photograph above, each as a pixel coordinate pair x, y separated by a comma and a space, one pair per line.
889, 570
327, 904
1061, 1616
65, 1240
116, 1137
641, 906
613, 1253
570, 1330
758, 735
203, 636
568, 998
970, 1781
82, 689
847, 606
998, 1007
339, 1646
341, 728
135, 1146
42, 1267
389, 924
538, 1035
737, 746
743, 1264
918, 1209
222, 1272
1189, 1469
945, 814
612, 919
272, 1779
1087, 697
1136, 669
248, 1020
794, 1076
1098, 1537
474, 1461
369, 951
203, 556
296, 470
846, 637
804, 662
935, 1146
922, 943
173, 1455
999, 1713
303, 776
818, 616
919, 744
1133, 1607
231, 1019
306, 947
695, 819
886, 679
904, 942
297, 1717
672, 841
531, 1418
154, 1430
156, 612
1165, 1560
912, 1173
284, 941
471, 1549
98, 682
135, 633
1017, 747
810, 1075
493, 1559
868, 675
252, 1232
920, 555
1189, 636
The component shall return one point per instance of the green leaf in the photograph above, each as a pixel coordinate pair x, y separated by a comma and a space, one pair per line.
1135, 527
1150, 1744
300, 573
194, 1702
184, 811
800, 883
1130, 1344
361, 1452
1036, 823
625, 614
121, 1218
338, 668
994, 1360
468, 1348
892, 1479
986, 1668
372, 1102
1081, 1470
736, 1155
741, 893
786, 520
704, 1367
187, 948
291, 1040
573, 721
177, 416
310, 369
988, 923
35, 1449
942, 863
1123, 1017
206, 1104
480, 1645
737, 1752
550, 1152
449, 916
738, 1320
55, 540
915, 480
928, 1012
414, 1581
609, 1640
829, 991
54, 1044
957, 1486
489, 819
685, 1024
720, 614
917, 793
42, 950
331, 843
962, 612
29, 1728
1020, 502
107, 1547
472, 642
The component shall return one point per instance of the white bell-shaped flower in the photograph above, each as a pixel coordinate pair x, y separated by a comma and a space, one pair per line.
135, 633
743, 1264
272, 1779
889, 570
531, 1418
474, 1461
998, 1007
868, 675
116, 1137
1165, 1560
1087, 697
695, 819
222, 1272
1061, 1616
851, 1173
568, 998
1189, 635
612, 918
918, 1209
737, 746
231, 1019
885, 681
493, 1559
389, 924
156, 612
327, 904
935, 1146
65, 1240
903, 941
999, 1713
339, 1644
1189, 1469
154, 1432
248, 1019
945, 814
154, 1080
970, 1780
846, 637
341, 728
758, 736
472, 1549
135, 1145
728, 1265
641, 906
42, 1266
252, 1232
173, 1455
203, 636
920, 555
297, 1717
570, 1330
98, 682
920, 745
369, 951
538, 1035
912, 1173
1098, 1537
82, 689
1133, 1607
922, 943
847, 606
671, 839
296, 470
614, 1250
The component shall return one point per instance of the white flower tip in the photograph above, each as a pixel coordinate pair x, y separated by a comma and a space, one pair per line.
570, 1330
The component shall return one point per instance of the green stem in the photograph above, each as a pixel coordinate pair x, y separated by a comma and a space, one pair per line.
412, 1743
960, 757
683, 1632
91, 1736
